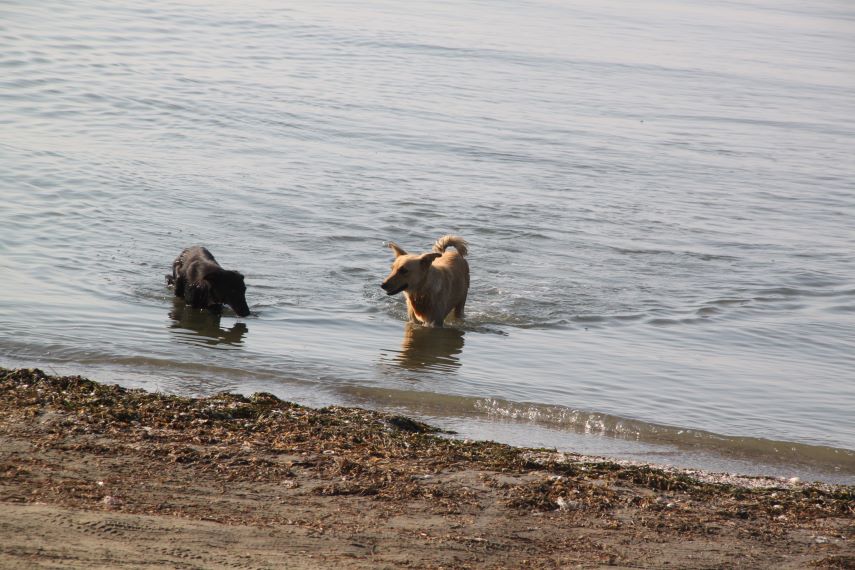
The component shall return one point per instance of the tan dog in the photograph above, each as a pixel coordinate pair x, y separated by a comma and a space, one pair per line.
433, 283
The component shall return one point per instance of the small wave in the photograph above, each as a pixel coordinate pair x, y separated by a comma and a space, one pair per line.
692, 254
841, 309
739, 447
776, 293
755, 450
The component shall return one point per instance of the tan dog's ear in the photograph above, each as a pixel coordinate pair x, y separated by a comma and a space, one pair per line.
428, 258
398, 251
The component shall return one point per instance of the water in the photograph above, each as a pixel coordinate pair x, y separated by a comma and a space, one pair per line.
659, 200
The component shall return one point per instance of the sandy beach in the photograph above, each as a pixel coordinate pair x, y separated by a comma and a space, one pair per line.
97, 476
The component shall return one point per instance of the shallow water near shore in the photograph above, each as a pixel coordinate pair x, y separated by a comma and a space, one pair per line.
659, 204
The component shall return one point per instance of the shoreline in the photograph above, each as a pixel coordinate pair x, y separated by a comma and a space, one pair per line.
787, 460
99, 475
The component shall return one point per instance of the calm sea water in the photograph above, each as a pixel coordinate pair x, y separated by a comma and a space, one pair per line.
659, 198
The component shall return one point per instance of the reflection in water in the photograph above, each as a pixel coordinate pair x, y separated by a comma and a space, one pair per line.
195, 326
425, 347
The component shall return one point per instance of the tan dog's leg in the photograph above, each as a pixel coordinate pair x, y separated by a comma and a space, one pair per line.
458, 309
411, 314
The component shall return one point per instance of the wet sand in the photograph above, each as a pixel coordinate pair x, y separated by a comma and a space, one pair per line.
96, 476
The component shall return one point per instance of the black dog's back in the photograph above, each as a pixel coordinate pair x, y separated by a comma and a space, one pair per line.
193, 264
198, 278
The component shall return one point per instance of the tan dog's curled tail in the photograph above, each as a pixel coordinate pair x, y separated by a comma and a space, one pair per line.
458, 242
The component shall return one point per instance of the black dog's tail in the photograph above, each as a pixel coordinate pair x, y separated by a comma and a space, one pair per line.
458, 242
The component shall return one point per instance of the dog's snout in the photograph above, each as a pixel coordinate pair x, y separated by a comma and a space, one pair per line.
240, 307
384, 286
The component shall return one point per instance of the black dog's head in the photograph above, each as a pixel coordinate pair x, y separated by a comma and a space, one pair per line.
228, 287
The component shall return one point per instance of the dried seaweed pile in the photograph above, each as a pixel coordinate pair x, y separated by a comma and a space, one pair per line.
357, 452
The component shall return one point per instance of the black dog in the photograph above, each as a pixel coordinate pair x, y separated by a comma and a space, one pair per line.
198, 278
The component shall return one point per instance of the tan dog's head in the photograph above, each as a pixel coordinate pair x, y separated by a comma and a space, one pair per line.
408, 271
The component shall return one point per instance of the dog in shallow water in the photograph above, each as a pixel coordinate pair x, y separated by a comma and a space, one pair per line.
433, 283
198, 278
